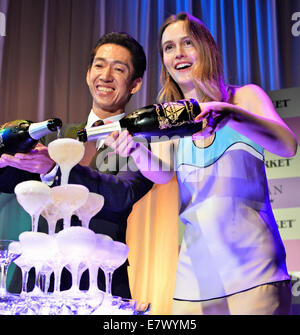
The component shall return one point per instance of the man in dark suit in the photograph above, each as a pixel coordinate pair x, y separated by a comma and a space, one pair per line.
115, 73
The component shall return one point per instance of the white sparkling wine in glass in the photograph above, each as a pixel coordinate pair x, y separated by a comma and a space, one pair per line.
114, 254
52, 213
68, 198
25, 265
9, 251
66, 152
33, 196
77, 244
39, 248
90, 208
95, 260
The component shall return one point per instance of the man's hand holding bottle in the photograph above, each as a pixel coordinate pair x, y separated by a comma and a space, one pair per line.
36, 161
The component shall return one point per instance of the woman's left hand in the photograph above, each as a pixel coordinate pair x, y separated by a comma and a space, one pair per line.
253, 115
214, 116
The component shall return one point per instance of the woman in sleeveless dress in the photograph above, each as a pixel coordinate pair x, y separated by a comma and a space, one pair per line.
232, 259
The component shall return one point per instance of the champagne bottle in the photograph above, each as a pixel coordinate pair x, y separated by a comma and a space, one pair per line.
152, 122
23, 135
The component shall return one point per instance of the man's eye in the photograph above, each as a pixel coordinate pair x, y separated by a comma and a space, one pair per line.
119, 69
98, 65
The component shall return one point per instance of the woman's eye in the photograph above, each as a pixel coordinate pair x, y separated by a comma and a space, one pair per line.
188, 42
168, 47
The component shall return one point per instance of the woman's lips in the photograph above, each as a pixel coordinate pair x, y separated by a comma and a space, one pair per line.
183, 66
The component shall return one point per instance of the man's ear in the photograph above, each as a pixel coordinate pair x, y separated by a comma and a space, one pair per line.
87, 78
136, 85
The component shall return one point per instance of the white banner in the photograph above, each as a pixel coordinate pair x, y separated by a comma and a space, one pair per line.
284, 179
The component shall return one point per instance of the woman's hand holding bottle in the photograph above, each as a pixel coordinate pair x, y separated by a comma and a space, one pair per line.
122, 143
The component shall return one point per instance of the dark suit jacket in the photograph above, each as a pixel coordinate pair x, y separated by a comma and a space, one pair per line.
121, 190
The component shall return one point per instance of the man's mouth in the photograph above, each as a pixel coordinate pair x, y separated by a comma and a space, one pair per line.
104, 89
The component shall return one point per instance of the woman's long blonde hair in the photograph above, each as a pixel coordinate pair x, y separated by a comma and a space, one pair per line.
208, 74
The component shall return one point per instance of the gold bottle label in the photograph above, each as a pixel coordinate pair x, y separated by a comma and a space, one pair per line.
172, 114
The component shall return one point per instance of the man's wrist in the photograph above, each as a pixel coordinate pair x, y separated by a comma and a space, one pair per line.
48, 178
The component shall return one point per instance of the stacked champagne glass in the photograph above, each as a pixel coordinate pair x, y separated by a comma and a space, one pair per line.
76, 248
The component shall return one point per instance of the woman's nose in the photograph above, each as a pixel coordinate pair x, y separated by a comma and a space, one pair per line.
179, 52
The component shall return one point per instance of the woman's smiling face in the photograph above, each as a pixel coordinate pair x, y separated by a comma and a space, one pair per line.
179, 54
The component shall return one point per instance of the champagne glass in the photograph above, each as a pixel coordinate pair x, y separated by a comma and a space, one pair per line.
25, 265
95, 261
26, 306
8, 253
77, 244
39, 248
113, 256
33, 196
66, 152
90, 208
68, 198
52, 213
42, 250
57, 262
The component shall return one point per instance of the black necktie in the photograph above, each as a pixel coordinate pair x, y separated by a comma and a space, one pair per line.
112, 164
98, 123
93, 164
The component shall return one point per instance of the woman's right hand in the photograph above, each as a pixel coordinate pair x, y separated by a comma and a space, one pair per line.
122, 143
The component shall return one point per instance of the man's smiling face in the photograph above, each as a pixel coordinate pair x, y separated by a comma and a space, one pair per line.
110, 79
